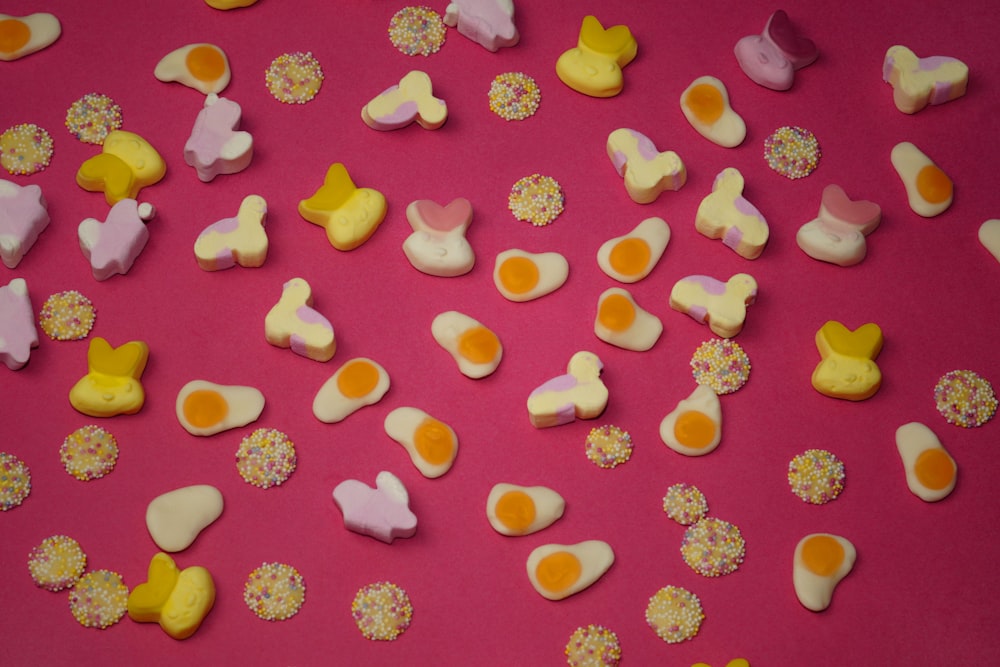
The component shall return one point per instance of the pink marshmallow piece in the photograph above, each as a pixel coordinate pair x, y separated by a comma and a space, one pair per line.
382, 512
215, 146
112, 246
23, 216
489, 23
17, 324
771, 58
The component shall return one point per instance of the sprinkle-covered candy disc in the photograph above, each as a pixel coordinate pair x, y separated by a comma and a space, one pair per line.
67, 316
674, 614
721, 364
514, 96
275, 591
965, 398
57, 563
294, 78
382, 611
25, 149
15, 481
417, 31
92, 117
593, 646
713, 547
99, 599
89, 453
685, 503
792, 151
608, 446
536, 199
816, 476
266, 458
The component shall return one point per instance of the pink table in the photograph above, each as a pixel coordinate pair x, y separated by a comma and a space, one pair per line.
923, 588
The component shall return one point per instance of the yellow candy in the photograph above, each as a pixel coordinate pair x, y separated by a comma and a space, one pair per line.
847, 369
111, 386
594, 66
177, 599
349, 214
127, 163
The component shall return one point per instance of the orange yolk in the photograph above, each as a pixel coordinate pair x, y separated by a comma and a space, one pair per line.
823, 555
934, 468
357, 379
14, 34
694, 429
706, 102
479, 345
616, 312
518, 274
558, 571
933, 184
433, 442
516, 510
630, 257
205, 407
205, 63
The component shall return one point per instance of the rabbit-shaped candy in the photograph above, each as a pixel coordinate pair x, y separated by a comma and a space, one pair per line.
112, 384
848, 368
437, 245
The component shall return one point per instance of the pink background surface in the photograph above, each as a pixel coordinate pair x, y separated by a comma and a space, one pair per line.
923, 588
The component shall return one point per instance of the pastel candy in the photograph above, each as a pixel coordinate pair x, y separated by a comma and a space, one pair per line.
594, 66
558, 571
837, 235
475, 348
646, 171
216, 146
989, 236
206, 408
771, 58
929, 190
819, 563
240, 240
705, 104
112, 385
349, 214
694, 426
931, 472
919, 82
201, 66
489, 23
522, 276
112, 246
515, 510
431, 443
294, 323
725, 214
356, 384
847, 368
18, 333
622, 322
631, 257
578, 394
438, 246
720, 305
23, 216
127, 163
23, 35
179, 600
176, 518
382, 512
409, 101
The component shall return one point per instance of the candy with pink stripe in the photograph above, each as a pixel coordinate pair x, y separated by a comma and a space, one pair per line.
239, 240
725, 214
720, 305
837, 234
919, 82
294, 323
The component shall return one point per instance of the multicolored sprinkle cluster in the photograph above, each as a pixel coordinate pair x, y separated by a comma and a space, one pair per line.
721, 364
90, 452
25, 149
816, 476
608, 446
685, 503
536, 199
99, 599
382, 611
67, 315
92, 117
15, 481
593, 646
57, 563
266, 458
674, 614
274, 591
792, 151
965, 398
417, 31
514, 96
713, 547
294, 78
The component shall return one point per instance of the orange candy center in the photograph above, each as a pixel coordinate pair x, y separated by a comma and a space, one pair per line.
434, 442
933, 184
357, 379
204, 408
479, 345
14, 34
630, 257
558, 571
518, 274
705, 101
205, 63
616, 312
694, 429
823, 555
516, 510
935, 469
